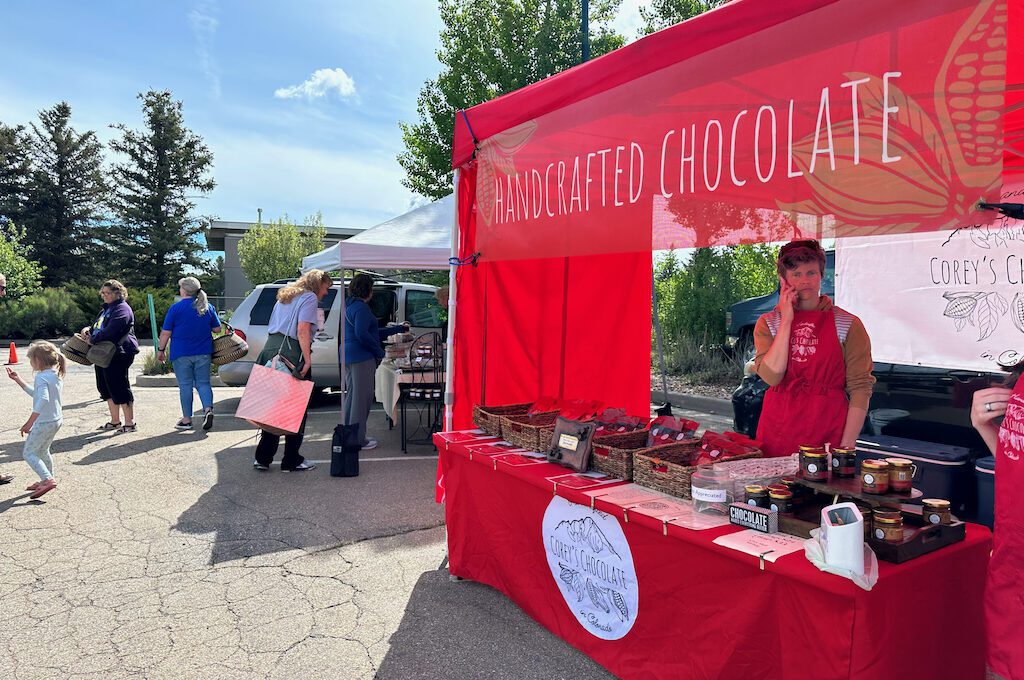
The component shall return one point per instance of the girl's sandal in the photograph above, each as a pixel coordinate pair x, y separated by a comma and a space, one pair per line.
109, 426
44, 487
124, 429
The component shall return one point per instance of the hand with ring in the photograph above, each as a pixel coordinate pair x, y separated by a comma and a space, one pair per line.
989, 404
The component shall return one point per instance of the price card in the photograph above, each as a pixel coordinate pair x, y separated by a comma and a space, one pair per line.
579, 481
769, 547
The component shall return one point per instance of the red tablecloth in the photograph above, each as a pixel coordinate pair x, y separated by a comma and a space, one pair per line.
706, 611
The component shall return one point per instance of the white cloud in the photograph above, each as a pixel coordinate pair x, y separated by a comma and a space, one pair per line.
320, 84
204, 23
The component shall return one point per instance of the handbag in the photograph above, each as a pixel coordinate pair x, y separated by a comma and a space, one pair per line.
345, 451
102, 353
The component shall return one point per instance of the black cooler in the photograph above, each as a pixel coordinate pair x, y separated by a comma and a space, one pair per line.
943, 471
985, 480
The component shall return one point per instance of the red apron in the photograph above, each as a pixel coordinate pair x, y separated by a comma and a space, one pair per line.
810, 405
1004, 591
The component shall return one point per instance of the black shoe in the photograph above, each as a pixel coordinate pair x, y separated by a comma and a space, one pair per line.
256, 465
6, 479
208, 421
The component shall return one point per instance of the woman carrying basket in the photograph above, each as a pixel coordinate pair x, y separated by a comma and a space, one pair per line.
191, 321
291, 329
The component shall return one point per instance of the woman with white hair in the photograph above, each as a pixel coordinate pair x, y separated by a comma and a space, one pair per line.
191, 321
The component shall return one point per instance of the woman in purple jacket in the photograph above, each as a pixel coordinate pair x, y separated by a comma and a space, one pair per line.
116, 323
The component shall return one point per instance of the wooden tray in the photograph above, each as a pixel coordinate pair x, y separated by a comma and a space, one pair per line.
919, 538
850, 487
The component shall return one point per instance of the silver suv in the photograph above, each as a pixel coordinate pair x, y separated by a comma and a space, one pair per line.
392, 301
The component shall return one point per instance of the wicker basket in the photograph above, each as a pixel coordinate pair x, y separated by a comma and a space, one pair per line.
228, 347
488, 418
530, 432
75, 349
665, 468
613, 453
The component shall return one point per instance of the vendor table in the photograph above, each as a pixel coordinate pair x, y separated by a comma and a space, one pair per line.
388, 391
386, 381
700, 610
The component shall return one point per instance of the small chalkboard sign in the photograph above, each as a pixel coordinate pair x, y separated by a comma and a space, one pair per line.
754, 517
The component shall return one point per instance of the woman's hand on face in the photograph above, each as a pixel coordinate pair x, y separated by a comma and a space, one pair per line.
787, 300
989, 404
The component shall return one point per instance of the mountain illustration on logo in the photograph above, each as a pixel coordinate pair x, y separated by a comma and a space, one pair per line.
586, 531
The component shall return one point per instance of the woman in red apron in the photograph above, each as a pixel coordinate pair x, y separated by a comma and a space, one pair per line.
816, 358
1004, 590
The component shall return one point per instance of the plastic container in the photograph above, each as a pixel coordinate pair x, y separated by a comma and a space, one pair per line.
943, 471
711, 490
985, 481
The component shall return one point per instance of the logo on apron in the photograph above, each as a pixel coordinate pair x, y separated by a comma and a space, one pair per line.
804, 344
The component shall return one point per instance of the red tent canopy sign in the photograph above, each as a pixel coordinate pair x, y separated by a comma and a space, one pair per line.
758, 121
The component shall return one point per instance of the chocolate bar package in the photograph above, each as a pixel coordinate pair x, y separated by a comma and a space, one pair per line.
571, 443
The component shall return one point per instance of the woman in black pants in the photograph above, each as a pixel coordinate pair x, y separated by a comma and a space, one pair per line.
290, 333
116, 324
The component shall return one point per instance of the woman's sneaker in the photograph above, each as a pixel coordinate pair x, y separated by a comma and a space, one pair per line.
301, 467
370, 444
208, 421
256, 465
182, 425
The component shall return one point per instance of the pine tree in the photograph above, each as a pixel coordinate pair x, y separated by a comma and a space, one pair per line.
155, 231
15, 172
66, 195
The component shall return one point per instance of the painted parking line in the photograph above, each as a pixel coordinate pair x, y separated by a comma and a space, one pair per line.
371, 460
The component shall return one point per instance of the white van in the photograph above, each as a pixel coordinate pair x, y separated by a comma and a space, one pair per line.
392, 301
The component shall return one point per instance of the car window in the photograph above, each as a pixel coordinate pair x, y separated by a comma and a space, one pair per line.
382, 304
422, 309
828, 281
260, 314
328, 301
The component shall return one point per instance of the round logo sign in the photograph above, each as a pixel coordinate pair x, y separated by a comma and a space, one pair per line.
592, 565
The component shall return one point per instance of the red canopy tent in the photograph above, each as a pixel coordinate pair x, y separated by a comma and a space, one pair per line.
758, 121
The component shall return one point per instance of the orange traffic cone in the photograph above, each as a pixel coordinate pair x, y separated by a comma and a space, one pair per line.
12, 357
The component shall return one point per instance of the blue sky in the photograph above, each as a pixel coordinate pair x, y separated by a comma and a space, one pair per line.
299, 101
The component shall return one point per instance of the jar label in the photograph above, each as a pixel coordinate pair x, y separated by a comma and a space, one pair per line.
751, 502
812, 467
934, 519
835, 462
869, 478
773, 507
879, 534
709, 495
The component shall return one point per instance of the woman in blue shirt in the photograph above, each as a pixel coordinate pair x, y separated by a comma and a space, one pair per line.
116, 324
363, 353
191, 321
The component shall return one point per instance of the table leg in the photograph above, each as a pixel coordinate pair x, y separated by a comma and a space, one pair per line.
401, 417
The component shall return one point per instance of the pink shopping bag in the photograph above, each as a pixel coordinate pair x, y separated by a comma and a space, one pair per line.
274, 401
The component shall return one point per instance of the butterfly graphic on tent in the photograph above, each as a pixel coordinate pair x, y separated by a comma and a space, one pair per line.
948, 162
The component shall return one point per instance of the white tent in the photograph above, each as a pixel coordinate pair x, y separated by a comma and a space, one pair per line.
419, 239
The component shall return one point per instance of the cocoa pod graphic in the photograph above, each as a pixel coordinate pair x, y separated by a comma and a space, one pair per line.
620, 605
960, 307
1017, 312
598, 597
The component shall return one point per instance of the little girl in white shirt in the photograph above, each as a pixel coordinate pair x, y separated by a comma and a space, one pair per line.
47, 416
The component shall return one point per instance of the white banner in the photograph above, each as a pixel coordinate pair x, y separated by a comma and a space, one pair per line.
946, 299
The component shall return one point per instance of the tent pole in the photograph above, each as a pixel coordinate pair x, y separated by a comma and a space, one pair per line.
341, 338
449, 355
666, 408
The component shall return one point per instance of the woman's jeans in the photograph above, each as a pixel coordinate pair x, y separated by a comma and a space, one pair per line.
193, 372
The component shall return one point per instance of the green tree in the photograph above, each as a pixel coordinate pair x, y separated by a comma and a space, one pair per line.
664, 13
22, 272
274, 251
15, 172
489, 48
66, 195
165, 166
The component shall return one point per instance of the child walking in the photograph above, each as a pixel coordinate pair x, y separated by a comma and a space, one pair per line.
47, 416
